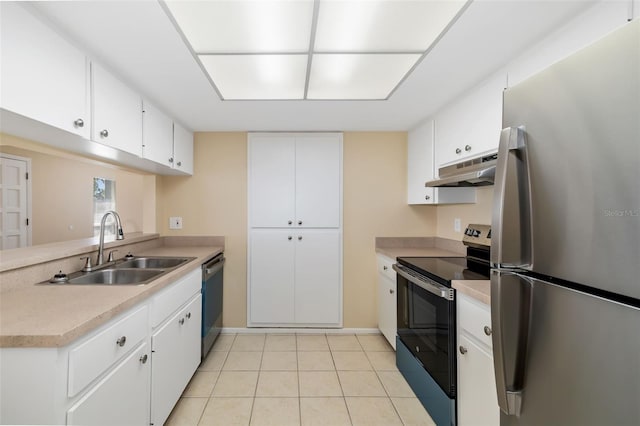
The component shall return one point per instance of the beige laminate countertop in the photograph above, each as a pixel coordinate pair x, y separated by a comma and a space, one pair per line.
393, 252
55, 315
477, 289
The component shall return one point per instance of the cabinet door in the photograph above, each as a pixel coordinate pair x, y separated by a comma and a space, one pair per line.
318, 289
117, 112
182, 149
157, 135
318, 186
43, 76
387, 308
121, 398
176, 356
477, 400
420, 164
271, 181
271, 276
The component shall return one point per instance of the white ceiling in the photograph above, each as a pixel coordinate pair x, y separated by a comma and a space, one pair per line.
137, 41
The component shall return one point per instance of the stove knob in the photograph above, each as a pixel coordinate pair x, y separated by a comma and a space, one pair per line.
476, 233
467, 231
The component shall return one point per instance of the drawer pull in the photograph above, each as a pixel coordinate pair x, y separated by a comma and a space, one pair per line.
143, 358
121, 341
181, 321
487, 330
391, 291
385, 267
188, 315
463, 350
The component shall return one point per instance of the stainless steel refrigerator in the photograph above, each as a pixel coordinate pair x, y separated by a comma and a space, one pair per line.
565, 283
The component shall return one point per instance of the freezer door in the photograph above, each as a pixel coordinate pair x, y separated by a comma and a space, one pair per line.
566, 358
580, 122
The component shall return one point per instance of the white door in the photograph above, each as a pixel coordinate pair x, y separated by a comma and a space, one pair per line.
272, 181
14, 207
182, 149
157, 135
318, 181
271, 269
318, 293
387, 308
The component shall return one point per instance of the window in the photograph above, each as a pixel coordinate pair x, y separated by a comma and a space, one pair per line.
104, 199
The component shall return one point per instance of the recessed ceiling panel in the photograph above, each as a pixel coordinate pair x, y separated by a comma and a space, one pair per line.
357, 76
382, 25
245, 26
257, 76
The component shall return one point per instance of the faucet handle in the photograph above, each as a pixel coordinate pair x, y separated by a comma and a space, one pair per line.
88, 267
111, 257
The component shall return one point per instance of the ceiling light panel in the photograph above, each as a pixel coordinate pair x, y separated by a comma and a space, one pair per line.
254, 77
243, 26
357, 76
382, 25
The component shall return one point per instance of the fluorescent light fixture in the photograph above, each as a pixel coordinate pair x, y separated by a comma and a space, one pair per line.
310, 49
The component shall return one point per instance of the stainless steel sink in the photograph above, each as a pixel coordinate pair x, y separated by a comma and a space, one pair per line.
155, 262
118, 276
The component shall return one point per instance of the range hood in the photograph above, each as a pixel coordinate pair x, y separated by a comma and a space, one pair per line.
474, 172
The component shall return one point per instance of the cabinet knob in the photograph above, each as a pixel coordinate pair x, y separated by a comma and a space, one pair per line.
290, 222
463, 350
458, 150
171, 160
188, 315
289, 238
391, 291
299, 237
467, 148
299, 222
79, 122
121, 341
487, 330
181, 321
104, 133
143, 358
385, 267
179, 163
427, 197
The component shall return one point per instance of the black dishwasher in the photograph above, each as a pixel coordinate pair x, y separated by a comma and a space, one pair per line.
212, 272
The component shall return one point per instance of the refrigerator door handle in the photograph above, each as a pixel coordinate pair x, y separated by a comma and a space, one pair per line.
510, 313
511, 221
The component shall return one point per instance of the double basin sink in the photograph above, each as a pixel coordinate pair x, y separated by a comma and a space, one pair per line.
133, 271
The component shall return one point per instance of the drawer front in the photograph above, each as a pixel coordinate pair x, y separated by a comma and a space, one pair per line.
474, 317
384, 267
174, 296
92, 357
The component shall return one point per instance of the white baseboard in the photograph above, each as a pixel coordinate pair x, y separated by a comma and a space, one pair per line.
253, 330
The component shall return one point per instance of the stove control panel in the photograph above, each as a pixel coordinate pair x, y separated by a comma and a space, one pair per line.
478, 234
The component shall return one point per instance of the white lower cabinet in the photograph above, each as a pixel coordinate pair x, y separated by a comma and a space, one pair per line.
175, 357
387, 302
477, 396
121, 398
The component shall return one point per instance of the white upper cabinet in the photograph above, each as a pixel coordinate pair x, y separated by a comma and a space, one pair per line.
182, 149
471, 126
421, 168
157, 135
295, 180
117, 112
43, 76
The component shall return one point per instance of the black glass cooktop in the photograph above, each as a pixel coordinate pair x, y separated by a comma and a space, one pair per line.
442, 269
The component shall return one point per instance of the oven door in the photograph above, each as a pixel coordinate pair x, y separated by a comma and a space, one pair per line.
426, 325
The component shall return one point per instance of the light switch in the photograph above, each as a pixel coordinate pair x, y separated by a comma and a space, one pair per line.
175, 222
456, 224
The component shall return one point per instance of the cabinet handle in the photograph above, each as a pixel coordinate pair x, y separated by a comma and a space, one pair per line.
463, 350
299, 237
385, 267
290, 222
179, 163
289, 238
171, 160
104, 133
299, 222
188, 315
121, 341
458, 150
181, 321
143, 358
467, 148
391, 291
487, 330
427, 197
79, 122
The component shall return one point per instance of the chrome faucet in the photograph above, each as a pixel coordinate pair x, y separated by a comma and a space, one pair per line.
119, 234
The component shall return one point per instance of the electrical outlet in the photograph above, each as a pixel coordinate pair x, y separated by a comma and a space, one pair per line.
175, 222
456, 224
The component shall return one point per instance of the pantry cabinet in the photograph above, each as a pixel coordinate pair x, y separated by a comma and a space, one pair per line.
470, 127
43, 76
421, 168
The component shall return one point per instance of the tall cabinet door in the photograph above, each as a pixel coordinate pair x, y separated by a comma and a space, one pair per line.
318, 186
318, 293
272, 181
271, 276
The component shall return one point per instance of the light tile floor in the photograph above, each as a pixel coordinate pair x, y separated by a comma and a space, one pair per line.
276, 379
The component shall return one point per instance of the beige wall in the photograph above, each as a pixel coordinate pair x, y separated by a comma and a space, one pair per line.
62, 188
480, 212
214, 202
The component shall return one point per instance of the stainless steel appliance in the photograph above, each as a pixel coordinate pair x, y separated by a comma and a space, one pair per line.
426, 341
478, 171
212, 291
565, 288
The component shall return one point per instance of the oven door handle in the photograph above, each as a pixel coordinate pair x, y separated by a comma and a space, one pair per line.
432, 287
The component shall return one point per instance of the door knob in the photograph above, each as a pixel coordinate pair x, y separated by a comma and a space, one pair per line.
289, 238
143, 358
463, 350
391, 291
467, 148
458, 150
487, 330
299, 237
104, 133
79, 122
299, 222
121, 341
289, 222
